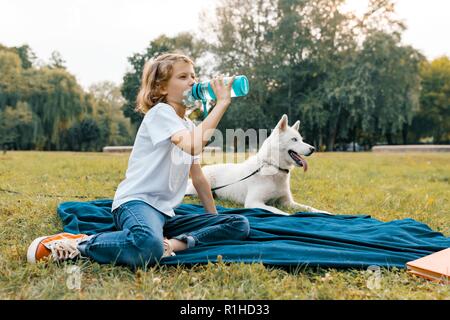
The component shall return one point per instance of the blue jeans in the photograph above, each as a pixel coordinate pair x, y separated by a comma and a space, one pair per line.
142, 228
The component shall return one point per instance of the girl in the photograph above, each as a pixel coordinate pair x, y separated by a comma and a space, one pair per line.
165, 151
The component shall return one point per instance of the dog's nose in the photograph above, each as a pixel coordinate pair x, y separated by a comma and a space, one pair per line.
312, 149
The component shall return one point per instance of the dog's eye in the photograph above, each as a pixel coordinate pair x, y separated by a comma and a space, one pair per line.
294, 139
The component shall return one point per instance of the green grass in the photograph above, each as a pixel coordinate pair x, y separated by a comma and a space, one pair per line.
386, 186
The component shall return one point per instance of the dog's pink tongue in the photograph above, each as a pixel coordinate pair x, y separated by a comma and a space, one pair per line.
304, 164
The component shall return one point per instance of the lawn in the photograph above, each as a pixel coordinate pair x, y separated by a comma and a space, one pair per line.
386, 186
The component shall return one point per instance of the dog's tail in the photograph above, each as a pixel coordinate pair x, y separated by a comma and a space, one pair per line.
190, 190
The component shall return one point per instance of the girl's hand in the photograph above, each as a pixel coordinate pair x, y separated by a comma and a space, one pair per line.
222, 91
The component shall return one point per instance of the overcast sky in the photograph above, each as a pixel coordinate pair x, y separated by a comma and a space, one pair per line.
95, 37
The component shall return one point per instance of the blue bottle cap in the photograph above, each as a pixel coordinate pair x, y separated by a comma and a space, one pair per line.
241, 86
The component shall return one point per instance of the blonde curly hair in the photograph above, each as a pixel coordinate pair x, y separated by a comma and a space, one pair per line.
155, 77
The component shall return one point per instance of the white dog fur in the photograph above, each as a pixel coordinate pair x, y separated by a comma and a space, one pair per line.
270, 183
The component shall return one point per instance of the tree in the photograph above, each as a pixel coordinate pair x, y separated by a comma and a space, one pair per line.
27, 56
11, 78
241, 38
115, 129
82, 135
433, 118
56, 61
388, 82
313, 61
325, 102
18, 126
43, 108
57, 99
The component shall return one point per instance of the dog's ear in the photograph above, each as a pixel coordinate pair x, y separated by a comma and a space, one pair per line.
283, 123
296, 125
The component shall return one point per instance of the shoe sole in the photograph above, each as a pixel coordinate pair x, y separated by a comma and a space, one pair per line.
31, 252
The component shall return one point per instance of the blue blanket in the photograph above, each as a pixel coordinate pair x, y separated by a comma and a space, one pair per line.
302, 239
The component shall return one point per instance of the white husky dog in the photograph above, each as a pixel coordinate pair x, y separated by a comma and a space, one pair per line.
278, 155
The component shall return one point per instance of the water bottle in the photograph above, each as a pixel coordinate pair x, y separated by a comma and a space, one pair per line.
203, 90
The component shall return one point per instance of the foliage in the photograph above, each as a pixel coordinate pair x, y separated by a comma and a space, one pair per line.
433, 119
45, 108
347, 78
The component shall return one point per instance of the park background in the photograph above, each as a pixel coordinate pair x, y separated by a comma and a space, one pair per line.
342, 70
348, 77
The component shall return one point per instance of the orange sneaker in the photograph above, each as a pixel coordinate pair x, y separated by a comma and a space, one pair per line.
59, 247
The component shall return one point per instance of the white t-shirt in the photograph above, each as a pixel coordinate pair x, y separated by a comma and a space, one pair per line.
158, 170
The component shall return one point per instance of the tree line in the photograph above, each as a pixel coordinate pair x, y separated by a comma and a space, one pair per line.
42, 107
347, 79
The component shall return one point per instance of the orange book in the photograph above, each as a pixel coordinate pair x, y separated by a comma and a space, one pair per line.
434, 267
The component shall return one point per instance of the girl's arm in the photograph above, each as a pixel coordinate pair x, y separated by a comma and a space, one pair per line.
193, 141
203, 188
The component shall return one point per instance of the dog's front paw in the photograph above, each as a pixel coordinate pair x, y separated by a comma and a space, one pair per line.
278, 211
326, 212
314, 210
282, 213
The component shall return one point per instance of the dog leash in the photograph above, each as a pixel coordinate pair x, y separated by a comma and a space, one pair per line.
253, 173
51, 195
99, 197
